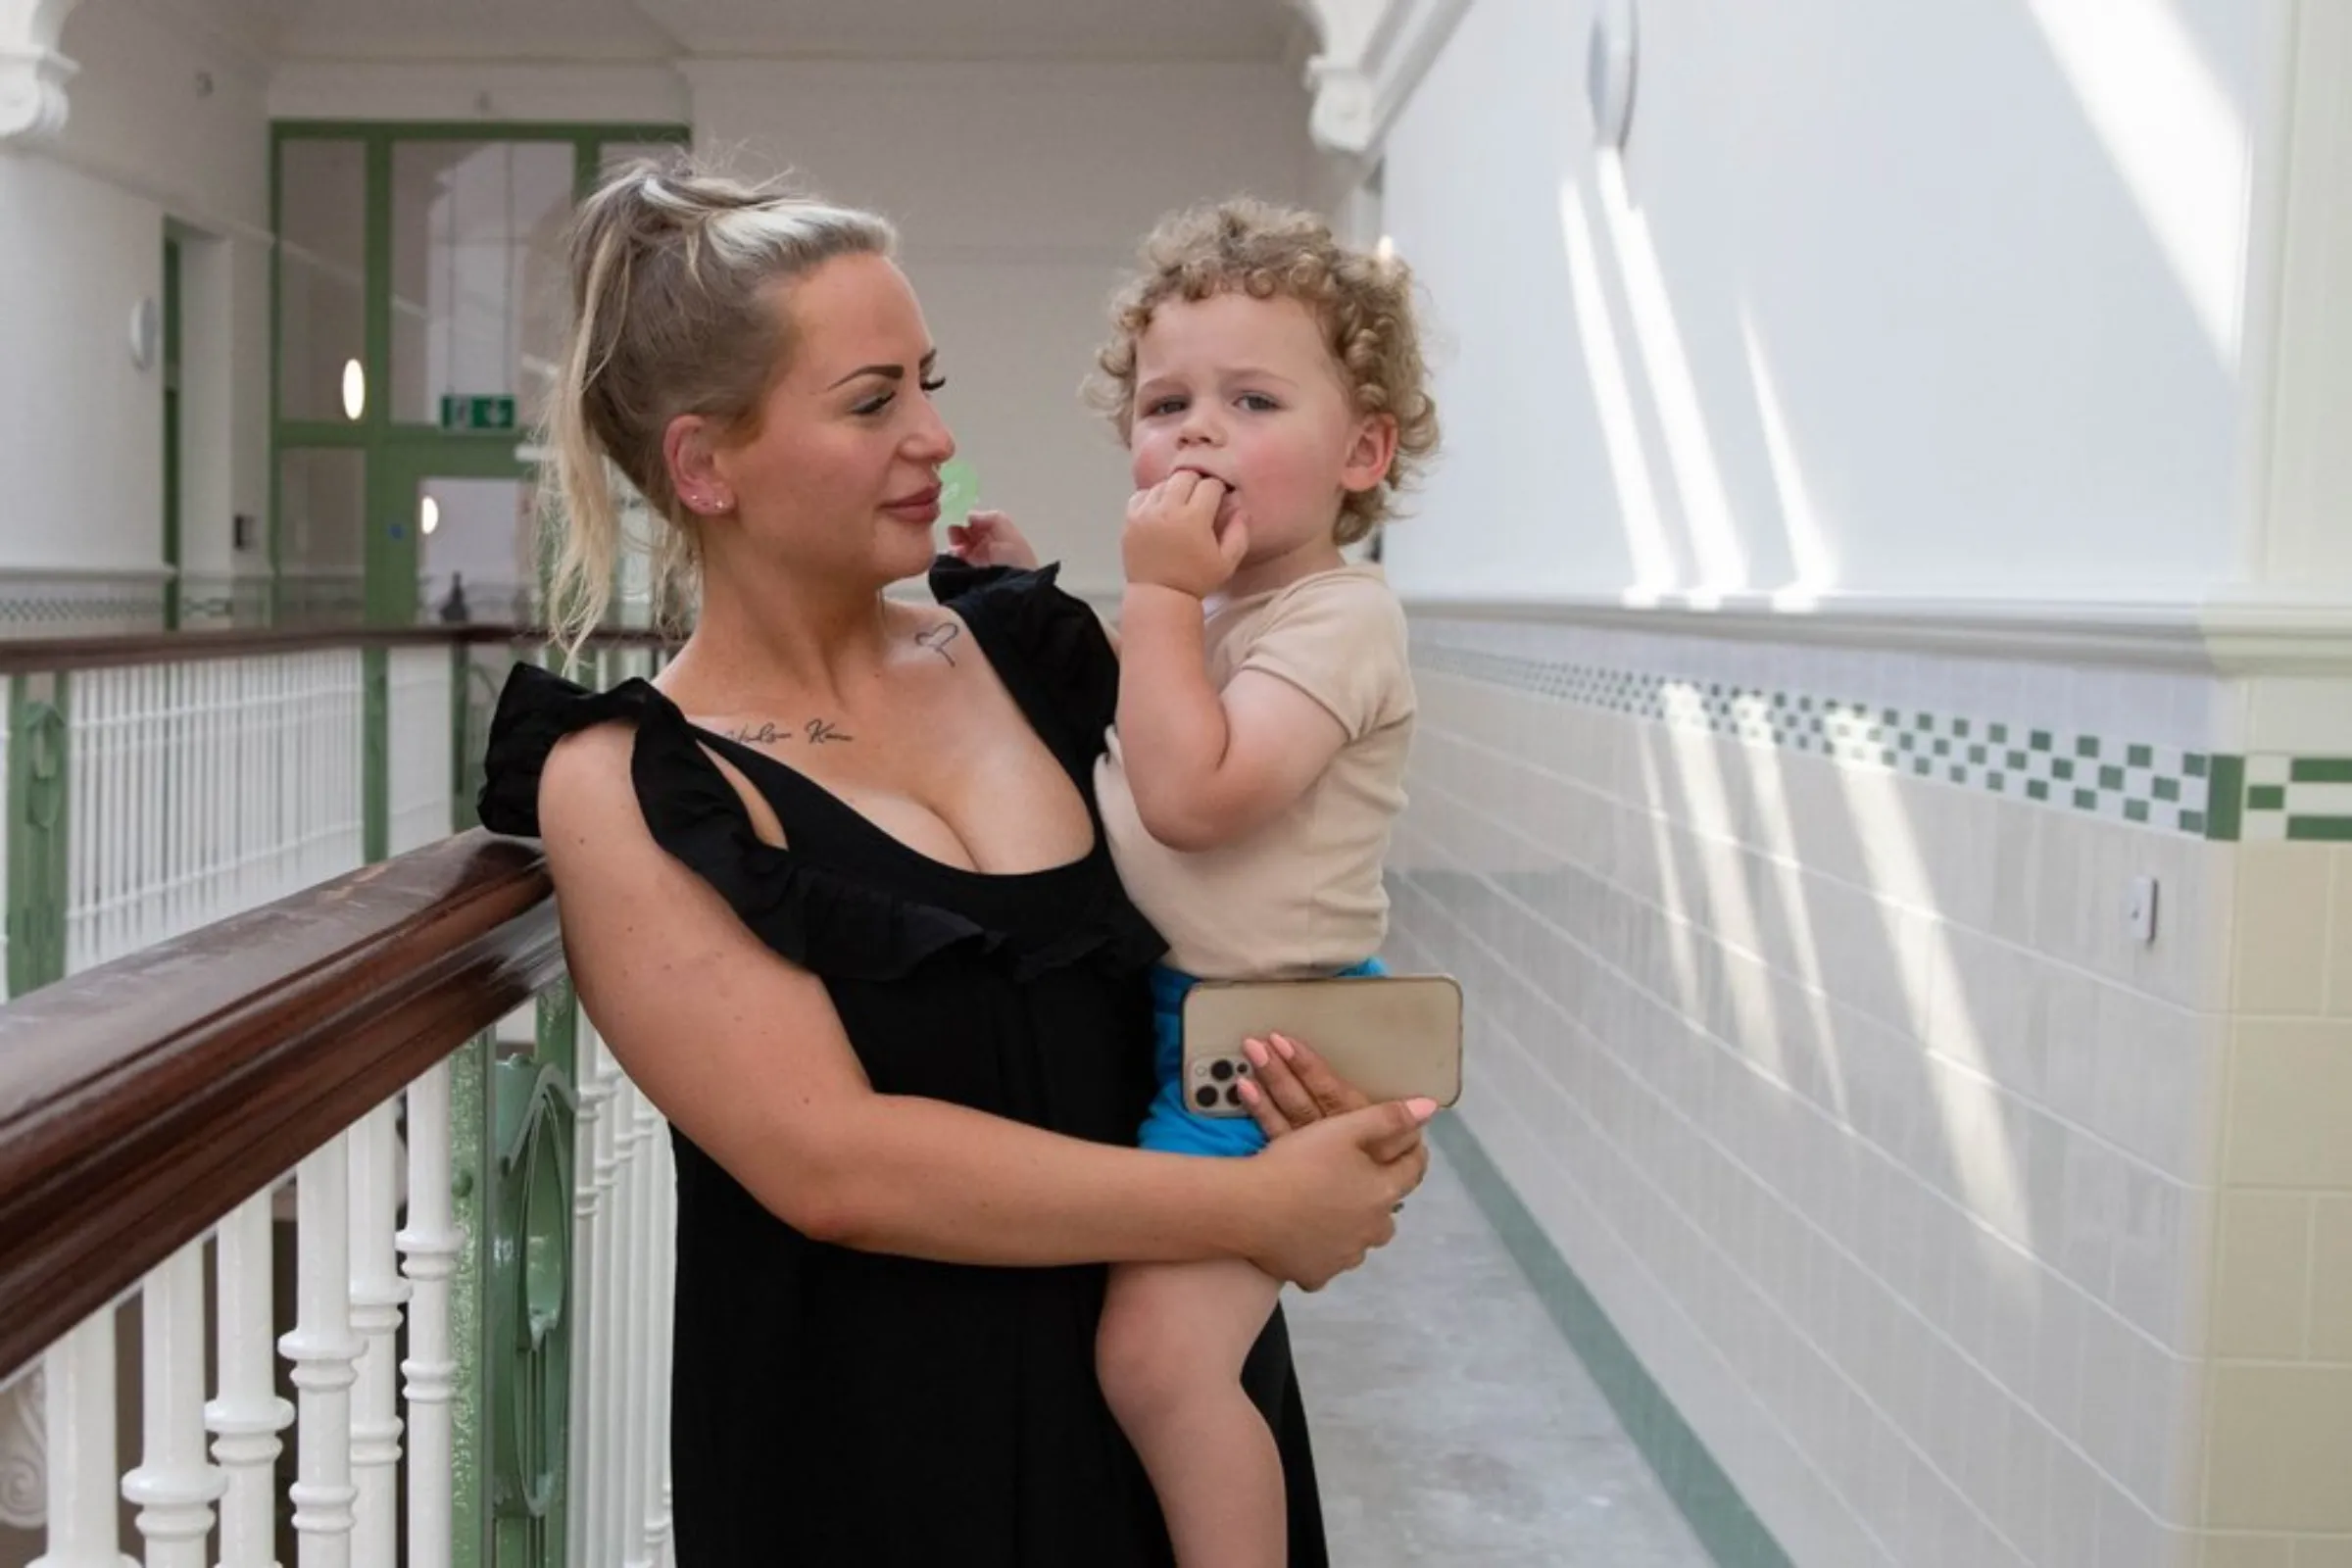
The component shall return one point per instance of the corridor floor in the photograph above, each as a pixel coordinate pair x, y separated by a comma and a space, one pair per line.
1453, 1423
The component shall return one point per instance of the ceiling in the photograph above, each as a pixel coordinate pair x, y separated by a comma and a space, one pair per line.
553, 30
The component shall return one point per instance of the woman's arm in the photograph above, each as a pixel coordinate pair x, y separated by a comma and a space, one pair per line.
746, 1055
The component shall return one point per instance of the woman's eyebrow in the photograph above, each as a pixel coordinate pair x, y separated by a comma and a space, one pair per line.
890, 372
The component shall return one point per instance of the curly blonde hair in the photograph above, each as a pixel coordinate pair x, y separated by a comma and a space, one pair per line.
1363, 302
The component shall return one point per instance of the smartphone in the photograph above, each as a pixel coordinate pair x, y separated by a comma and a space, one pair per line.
1392, 1036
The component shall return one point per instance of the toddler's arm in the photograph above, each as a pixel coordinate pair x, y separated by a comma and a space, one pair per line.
989, 539
1207, 768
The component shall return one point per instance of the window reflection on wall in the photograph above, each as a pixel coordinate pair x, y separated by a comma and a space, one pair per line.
322, 538
478, 285
322, 231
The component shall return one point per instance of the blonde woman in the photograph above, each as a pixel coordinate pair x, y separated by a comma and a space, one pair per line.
837, 893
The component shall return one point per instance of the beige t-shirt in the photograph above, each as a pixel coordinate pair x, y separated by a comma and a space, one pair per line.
1301, 895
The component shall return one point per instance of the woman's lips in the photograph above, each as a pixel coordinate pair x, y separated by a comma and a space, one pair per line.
921, 507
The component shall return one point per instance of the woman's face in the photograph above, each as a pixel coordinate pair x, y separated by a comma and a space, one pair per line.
841, 477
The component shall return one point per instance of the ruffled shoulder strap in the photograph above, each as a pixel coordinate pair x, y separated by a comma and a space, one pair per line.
1046, 646
818, 918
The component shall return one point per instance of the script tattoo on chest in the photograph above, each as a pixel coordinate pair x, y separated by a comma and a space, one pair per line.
818, 732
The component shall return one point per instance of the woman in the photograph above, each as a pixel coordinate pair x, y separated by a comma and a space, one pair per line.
836, 895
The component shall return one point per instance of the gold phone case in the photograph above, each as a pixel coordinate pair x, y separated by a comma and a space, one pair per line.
1394, 1036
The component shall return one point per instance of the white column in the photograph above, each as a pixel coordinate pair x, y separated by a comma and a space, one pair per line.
77, 1374
429, 1248
324, 1352
611, 1310
247, 1415
646, 1375
172, 1486
377, 1294
664, 1275
629, 1536
588, 1325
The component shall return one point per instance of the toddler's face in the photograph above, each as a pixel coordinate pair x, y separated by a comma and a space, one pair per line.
1242, 390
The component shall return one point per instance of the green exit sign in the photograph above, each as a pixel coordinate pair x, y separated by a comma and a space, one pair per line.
462, 413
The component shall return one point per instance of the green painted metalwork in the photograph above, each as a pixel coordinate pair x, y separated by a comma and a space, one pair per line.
375, 754
469, 1186
37, 831
529, 1285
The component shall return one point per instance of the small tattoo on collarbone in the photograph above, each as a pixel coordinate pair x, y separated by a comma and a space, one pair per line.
819, 732
936, 638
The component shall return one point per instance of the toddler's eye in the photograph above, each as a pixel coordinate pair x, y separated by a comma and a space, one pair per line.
1257, 403
1161, 406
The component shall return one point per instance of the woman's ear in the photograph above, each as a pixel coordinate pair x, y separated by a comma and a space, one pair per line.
691, 455
1371, 452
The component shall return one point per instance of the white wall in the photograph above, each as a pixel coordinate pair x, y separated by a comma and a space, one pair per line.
1020, 191
1939, 299
81, 235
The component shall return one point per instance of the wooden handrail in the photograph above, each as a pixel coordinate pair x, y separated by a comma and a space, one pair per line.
34, 655
142, 1101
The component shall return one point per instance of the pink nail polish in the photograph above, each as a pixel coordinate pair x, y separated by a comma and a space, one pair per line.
1288, 1051
1256, 1050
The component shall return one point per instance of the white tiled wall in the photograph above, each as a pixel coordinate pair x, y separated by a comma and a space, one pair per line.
1892, 1150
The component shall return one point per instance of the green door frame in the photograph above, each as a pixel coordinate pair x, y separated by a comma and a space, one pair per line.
397, 451
174, 587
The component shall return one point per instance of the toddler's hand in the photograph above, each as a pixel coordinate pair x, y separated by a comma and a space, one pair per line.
1173, 540
989, 539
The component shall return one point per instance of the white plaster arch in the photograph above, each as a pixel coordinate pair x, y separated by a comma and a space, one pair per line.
1370, 55
33, 74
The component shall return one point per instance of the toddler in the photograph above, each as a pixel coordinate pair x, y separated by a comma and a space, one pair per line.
1269, 382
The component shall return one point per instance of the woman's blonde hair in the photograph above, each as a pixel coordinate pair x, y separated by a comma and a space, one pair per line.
674, 312
1363, 302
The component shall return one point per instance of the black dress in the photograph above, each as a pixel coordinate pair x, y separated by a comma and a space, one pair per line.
834, 1407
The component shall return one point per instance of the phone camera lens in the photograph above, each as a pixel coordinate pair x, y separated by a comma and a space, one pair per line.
1220, 1069
1205, 1098
1233, 1094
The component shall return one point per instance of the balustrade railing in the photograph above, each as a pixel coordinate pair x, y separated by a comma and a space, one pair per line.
243, 1039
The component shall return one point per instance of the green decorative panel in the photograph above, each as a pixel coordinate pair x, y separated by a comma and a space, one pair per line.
528, 1286
37, 831
376, 753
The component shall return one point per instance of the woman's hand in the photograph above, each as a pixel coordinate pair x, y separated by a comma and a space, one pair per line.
989, 539
1290, 1087
1331, 1190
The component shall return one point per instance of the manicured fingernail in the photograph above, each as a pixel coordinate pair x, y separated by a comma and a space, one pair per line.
1247, 1091
1257, 1051
1422, 1109
1288, 1050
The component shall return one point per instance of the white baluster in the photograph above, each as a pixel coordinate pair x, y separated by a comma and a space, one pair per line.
247, 1415
324, 1350
588, 1326
172, 1486
645, 1486
429, 1248
613, 1313
377, 1294
78, 1375
664, 1277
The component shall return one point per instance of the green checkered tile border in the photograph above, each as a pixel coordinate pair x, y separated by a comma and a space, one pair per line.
2163, 788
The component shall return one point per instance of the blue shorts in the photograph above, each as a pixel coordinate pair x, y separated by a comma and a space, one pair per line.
1170, 1126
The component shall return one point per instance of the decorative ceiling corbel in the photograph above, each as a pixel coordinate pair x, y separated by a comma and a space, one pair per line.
33, 74
1372, 55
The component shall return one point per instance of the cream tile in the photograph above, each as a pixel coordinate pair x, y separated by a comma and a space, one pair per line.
2247, 1551
2339, 936
2263, 1283
2282, 1448
2330, 1306
2280, 954
2290, 1081
2332, 1551
2302, 713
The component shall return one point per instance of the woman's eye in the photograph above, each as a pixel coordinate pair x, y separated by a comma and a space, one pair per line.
933, 384
872, 404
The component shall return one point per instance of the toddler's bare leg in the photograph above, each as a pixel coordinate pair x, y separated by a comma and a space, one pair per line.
1170, 1353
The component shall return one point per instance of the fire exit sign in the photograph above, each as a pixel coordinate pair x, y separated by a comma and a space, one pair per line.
462, 413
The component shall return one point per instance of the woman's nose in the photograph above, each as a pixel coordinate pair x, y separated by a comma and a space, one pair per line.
932, 440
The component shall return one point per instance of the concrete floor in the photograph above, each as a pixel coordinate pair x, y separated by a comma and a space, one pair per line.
1453, 1423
